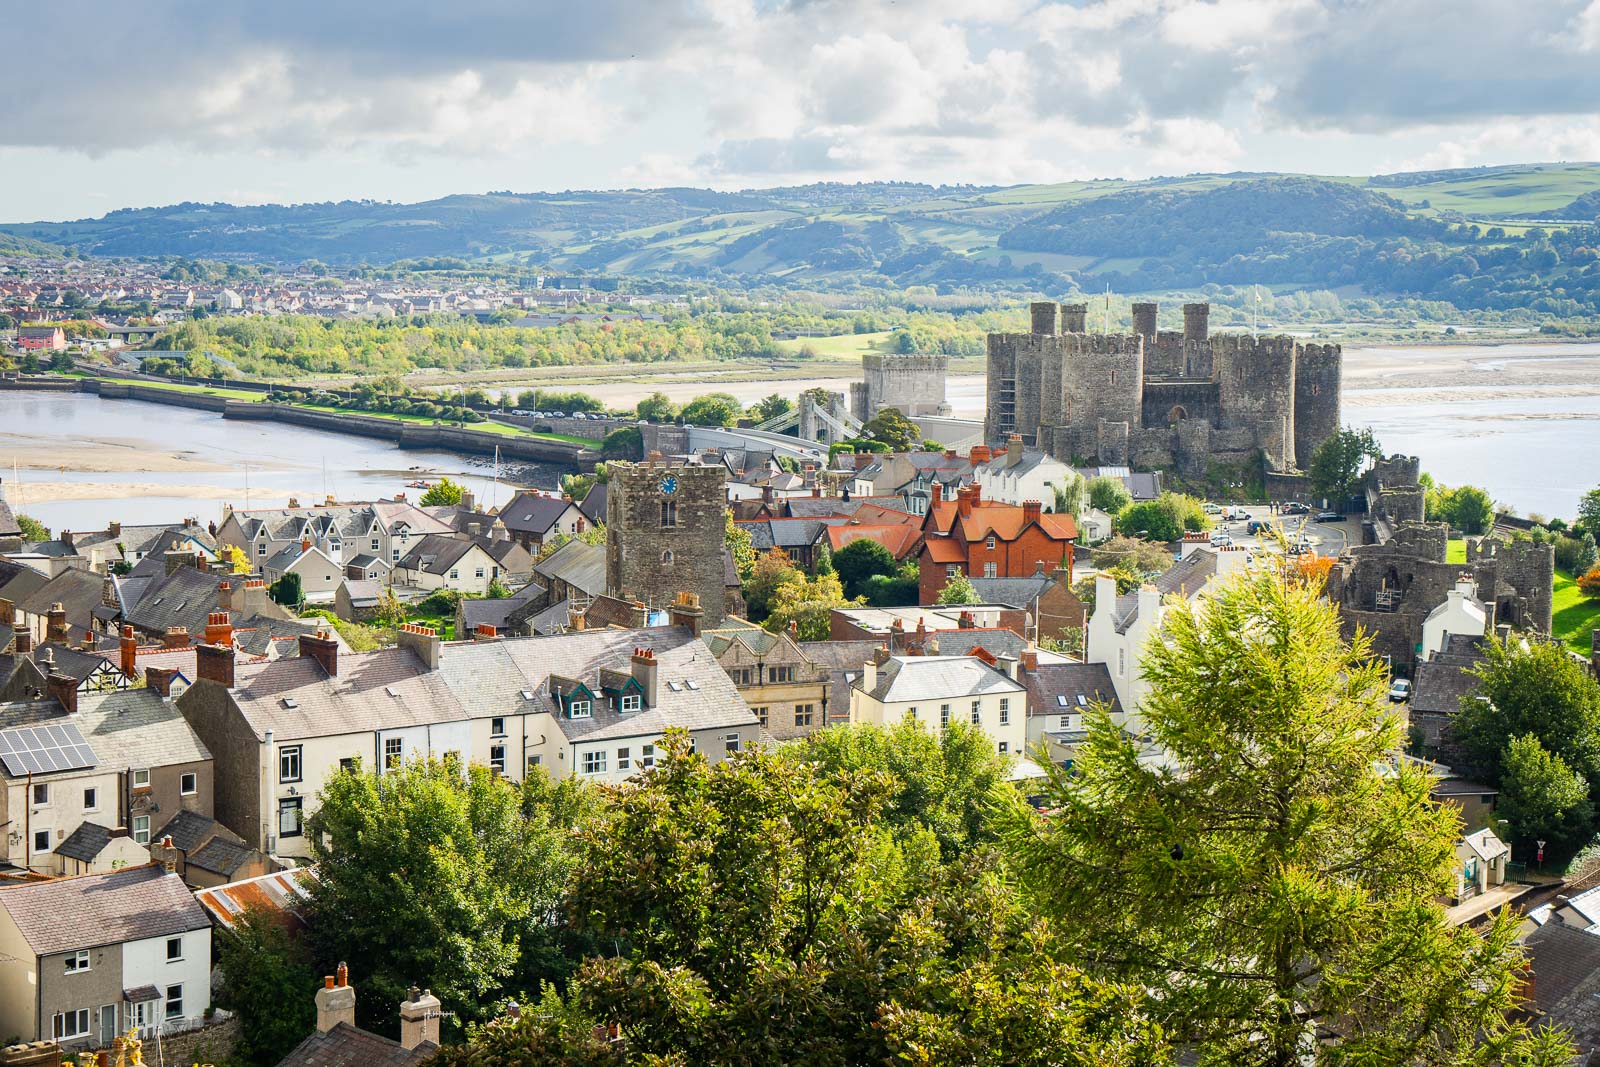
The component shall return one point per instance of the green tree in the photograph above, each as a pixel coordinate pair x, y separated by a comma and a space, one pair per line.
889, 427
657, 407
1466, 508
859, 561
1139, 556
736, 539
391, 611
1108, 494
770, 570
1543, 799
904, 342
771, 407
713, 409
809, 604
287, 590
1535, 689
426, 847
443, 493
32, 529
1587, 555
899, 589
1589, 512
1071, 496
1338, 463
958, 590
625, 442
1272, 885
30, 362
1165, 518
951, 784
268, 982
566, 402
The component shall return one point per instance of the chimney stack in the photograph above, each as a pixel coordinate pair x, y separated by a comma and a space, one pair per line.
22, 639
336, 1001
214, 663
323, 649
218, 630
647, 673
128, 652
1031, 510
686, 611
56, 623
159, 680
469, 500
485, 632
419, 1019
64, 688
1013, 450
176, 637
423, 641
167, 854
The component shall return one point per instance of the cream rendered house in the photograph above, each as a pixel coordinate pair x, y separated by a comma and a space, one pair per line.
936, 691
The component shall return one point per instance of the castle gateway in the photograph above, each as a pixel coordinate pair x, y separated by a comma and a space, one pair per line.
1161, 399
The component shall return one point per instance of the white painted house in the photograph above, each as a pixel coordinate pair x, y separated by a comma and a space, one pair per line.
936, 691
1461, 613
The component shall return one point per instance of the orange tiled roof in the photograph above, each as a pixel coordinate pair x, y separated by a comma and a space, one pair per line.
898, 539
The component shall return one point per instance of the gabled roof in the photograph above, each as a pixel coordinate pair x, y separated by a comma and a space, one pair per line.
348, 1046
533, 513
131, 904
378, 690
580, 565
186, 598
1186, 578
1069, 688
938, 677
1011, 592
899, 538
85, 843
136, 728
436, 554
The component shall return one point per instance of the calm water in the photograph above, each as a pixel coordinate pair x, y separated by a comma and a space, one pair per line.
264, 462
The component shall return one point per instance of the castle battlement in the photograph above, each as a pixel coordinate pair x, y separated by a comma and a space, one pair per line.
1057, 384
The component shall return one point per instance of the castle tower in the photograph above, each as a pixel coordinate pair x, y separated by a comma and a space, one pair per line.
1144, 320
1074, 318
1042, 318
1255, 391
1318, 379
1196, 322
1102, 381
664, 534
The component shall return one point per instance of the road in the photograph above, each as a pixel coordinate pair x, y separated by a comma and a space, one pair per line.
1325, 538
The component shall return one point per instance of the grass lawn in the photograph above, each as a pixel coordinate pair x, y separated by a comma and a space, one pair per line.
1575, 615
445, 624
1456, 552
839, 346
203, 390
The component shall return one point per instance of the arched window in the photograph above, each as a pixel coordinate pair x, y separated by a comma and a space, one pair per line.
666, 556
1176, 415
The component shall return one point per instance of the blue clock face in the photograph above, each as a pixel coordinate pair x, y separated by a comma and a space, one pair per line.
669, 484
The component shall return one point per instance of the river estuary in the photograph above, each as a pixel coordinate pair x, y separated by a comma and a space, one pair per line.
1521, 420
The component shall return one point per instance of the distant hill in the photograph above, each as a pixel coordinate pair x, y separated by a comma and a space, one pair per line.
1461, 235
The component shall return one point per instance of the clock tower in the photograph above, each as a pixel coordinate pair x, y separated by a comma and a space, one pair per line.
664, 534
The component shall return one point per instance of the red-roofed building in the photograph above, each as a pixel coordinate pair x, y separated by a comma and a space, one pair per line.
984, 539
42, 337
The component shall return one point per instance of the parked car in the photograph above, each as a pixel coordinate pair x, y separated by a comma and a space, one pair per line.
1211, 509
1255, 526
1294, 507
1329, 516
1400, 691
1219, 539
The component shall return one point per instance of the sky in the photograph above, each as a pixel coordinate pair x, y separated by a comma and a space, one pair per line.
135, 104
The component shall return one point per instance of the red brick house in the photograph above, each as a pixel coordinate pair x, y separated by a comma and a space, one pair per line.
42, 337
984, 539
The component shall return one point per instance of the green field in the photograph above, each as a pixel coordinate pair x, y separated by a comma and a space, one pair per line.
1456, 551
844, 346
1576, 616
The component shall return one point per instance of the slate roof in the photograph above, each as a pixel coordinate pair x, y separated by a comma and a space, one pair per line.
136, 728
9, 527
580, 565
435, 554
490, 678
553, 619
593, 504
257, 635
475, 613
1069, 688
1566, 986
186, 598
190, 829
843, 661
1185, 578
1011, 592
1438, 685
21, 583
347, 1046
938, 677
79, 592
221, 856
378, 690
85, 843
363, 592
533, 513
131, 904
65, 659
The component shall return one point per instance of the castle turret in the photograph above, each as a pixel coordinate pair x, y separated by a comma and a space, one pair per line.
1144, 320
1318, 378
1074, 318
1042, 317
1196, 322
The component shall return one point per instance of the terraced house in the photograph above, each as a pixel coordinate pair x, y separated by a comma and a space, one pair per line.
341, 532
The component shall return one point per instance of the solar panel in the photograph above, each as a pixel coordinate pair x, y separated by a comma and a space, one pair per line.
44, 749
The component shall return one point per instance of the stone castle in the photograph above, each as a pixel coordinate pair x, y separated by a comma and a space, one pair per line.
911, 383
1159, 399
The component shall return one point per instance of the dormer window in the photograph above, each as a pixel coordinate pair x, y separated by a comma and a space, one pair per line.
631, 702
580, 709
